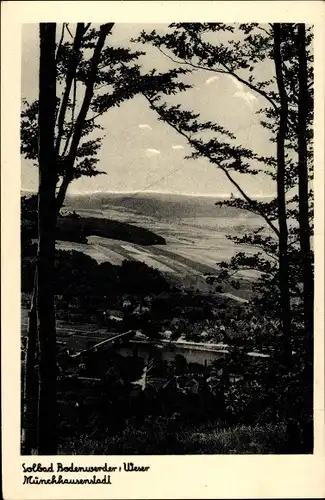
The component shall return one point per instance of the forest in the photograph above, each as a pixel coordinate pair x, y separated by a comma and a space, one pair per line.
269, 409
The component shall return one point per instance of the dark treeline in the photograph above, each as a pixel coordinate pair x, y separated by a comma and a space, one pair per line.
75, 227
60, 135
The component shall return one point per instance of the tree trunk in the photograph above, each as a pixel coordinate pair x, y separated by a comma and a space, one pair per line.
304, 228
282, 216
30, 382
47, 425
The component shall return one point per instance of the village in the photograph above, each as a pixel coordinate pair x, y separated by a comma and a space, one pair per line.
165, 363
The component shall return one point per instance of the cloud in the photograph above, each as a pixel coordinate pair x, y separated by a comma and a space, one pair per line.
178, 146
152, 152
145, 125
211, 80
248, 96
236, 82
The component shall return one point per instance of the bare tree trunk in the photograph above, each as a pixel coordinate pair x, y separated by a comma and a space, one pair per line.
48, 209
282, 215
47, 424
304, 229
304, 234
30, 383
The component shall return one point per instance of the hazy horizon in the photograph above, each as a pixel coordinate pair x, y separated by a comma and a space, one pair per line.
140, 152
174, 193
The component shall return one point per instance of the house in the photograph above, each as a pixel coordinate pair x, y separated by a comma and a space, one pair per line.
192, 386
167, 334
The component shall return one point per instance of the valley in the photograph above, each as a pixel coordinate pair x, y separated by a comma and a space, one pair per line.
194, 245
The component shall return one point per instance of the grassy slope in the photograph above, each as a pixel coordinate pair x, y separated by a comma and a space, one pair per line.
261, 439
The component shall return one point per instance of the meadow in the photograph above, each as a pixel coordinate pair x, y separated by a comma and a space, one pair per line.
193, 227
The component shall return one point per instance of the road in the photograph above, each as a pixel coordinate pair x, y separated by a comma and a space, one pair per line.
75, 337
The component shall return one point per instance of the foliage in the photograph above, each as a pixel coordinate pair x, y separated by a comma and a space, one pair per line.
272, 393
245, 51
241, 52
81, 284
117, 78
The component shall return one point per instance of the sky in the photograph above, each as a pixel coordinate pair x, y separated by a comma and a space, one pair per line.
139, 152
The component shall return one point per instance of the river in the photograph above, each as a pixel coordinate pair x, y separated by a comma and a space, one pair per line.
168, 351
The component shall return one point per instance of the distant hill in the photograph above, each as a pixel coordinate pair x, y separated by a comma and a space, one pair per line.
160, 206
166, 207
74, 227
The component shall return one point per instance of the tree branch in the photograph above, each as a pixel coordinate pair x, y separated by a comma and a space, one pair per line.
275, 257
61, 40
71, 73
188, 63
80, 122
94, 117
230, 178
226, 71
232, 73
68, 30
263, 29
87, 27
248, 199
72, 117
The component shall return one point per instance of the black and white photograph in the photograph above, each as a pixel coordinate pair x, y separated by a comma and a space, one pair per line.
167, 217
162, 259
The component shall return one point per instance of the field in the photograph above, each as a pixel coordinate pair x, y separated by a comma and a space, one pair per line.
194, 243
194, 246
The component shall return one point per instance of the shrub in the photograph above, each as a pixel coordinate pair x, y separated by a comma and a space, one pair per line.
159, 436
